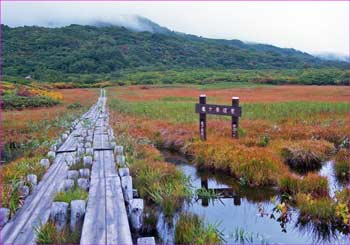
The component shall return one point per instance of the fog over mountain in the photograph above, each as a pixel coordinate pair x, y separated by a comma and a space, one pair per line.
333, 56
140, 24
131, 22
308, 26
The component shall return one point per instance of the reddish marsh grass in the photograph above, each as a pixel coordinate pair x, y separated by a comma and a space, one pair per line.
255, 159
247, 95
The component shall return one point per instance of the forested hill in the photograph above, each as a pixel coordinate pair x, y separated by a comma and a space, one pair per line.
78, 49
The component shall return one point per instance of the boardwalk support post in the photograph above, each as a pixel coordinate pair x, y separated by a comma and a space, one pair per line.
59, 214
77, 214
136, 213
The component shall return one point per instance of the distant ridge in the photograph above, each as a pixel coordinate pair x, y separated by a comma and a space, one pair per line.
103, 47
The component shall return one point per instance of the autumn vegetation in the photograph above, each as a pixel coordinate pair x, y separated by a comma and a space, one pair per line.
284, 139
286, 134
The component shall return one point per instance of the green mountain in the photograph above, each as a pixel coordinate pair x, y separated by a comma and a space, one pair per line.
56, 53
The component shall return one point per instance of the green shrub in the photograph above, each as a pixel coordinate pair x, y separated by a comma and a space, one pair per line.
190, 229
14, 102
75, 105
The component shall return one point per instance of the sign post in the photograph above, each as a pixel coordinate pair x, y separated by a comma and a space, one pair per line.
235, 119
203, 118
235, 111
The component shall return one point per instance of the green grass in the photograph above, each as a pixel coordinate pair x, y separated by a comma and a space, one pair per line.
190, 229
47, 234
283, 110
74, 194
245, 237
78, 166
182, 110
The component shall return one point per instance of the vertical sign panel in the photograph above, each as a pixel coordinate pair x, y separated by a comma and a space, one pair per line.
203, 118
235, 119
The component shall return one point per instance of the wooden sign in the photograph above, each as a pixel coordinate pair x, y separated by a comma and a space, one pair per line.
235, 111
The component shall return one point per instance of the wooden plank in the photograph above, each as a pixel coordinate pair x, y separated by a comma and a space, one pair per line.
118, 231
109, 164
100, 130
94, 227
101, 141
110, 195
20, 229
69, 145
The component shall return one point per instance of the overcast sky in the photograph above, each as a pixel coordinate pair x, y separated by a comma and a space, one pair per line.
308, 26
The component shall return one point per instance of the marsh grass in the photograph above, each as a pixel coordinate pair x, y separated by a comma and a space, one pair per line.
181, 110
315, 185
47, 234
320, 209
207, 194
161, 183
255, 166
157, 181
78, 165
14, 176
307, 131
306, 155
242, 236
289, 184
74, 194
342, 208
190, 229
342, 165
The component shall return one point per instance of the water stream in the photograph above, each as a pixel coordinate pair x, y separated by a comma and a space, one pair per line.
244, 213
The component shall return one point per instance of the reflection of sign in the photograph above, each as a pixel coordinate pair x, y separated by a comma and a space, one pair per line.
219, 110
235, 111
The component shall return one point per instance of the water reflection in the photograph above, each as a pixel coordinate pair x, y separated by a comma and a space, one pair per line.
244, 212
334, 184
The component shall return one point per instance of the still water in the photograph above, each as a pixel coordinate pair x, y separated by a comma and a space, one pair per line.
243, 215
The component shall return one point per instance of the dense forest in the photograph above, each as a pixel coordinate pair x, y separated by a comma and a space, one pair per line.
92, 53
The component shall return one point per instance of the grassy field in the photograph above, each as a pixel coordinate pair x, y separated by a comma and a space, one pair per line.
25, 130
284, 131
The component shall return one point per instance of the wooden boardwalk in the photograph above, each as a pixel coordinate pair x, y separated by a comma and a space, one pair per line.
36, 209
106, 219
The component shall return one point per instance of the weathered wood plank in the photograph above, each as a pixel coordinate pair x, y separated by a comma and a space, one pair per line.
101, 141
20, 229
108, 212
118, 231
94, 226
36, 209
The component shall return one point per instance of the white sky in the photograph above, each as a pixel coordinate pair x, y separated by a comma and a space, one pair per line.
308, 26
